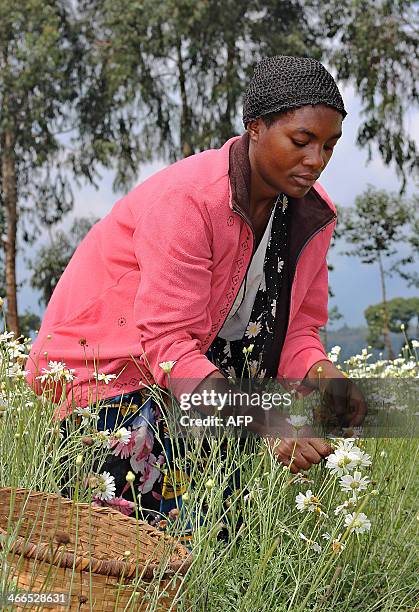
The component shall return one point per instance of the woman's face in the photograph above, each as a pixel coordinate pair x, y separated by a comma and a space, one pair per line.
289, 156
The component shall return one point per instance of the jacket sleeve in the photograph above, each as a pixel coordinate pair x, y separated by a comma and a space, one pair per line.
303, 347
172, 244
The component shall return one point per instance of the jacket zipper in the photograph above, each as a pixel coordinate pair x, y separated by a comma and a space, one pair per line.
247, 221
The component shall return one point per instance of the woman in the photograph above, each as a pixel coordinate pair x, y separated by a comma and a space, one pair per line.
220, 251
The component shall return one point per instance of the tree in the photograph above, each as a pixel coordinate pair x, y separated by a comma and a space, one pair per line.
373, 44
401, 311
402, 266
29, 322
375, 226
51, 260
134, 81
334, 315
38, 51
2, 272
166, 79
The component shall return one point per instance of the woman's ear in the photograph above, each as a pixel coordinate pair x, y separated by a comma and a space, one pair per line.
253, 129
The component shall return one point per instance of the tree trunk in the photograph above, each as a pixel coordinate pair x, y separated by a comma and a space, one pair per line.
185, 121
386, 331
325, 338
230, 93
9, 184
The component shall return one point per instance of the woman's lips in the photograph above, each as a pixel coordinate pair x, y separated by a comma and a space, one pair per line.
302, 181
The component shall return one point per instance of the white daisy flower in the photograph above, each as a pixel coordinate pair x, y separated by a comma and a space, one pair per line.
341, 462
354, 483
103, 437
306, 502
348, 504
253, 329
280, 265
106, 378
122, 435
344, 444
358, 523
297, 421
5, 336
15, 371
167, 366
15, 349
337, 545
313, 545
362, 459
86, 415
105, 489
56, 371
415, 343
334, 353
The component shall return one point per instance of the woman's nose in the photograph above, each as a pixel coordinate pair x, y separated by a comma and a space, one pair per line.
315, 159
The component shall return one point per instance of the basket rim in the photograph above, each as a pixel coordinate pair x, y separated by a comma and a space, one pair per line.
114, 567
118, 569
119, 516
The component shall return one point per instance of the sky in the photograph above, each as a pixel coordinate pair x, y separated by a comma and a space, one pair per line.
354, 284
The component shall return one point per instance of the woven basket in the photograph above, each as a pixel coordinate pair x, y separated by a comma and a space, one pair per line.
92, 554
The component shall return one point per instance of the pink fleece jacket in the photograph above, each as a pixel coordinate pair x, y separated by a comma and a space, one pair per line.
154, 280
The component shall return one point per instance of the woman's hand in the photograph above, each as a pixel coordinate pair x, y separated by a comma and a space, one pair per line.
342, 402
299, 453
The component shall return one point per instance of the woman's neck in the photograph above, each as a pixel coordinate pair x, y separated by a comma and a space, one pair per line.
262, 196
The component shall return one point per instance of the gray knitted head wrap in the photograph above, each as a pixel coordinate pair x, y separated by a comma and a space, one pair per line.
283, 82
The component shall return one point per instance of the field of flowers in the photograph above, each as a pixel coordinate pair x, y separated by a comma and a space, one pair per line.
341, 536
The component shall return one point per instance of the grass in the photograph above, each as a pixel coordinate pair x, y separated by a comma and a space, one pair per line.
265, 564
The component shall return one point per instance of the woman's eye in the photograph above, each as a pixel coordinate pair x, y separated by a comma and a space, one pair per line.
300, 144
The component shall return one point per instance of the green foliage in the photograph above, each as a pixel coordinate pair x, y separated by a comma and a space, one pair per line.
402, 311
166, 79
374, 46
37, 85
51, 260
401, 267
29, 322
376, 224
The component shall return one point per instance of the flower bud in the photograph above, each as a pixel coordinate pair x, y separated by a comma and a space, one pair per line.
130, 477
